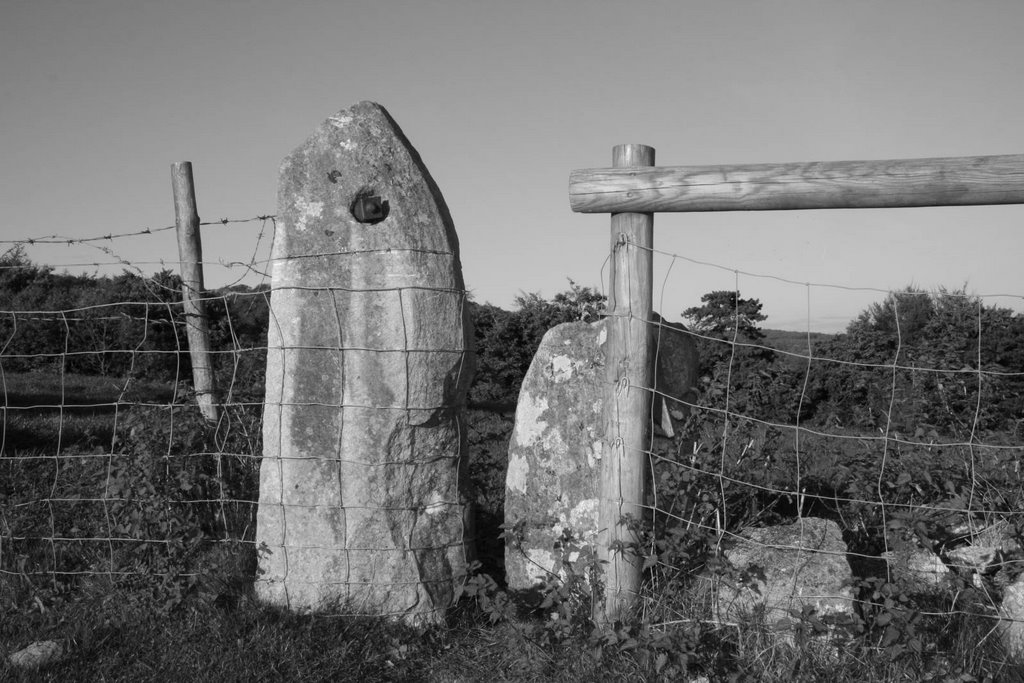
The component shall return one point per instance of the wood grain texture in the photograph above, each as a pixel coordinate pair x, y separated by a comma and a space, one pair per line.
190, 254
629, 378
949, 181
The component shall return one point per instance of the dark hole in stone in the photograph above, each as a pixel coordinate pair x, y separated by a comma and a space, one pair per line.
369, 208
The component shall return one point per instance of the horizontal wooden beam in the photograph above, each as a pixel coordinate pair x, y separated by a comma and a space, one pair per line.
952, 181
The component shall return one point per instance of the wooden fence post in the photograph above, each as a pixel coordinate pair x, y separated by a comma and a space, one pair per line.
190, 253
627, 394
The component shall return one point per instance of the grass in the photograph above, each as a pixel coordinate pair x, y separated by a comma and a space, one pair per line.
253, 643
114, 635
165, 626
50, 414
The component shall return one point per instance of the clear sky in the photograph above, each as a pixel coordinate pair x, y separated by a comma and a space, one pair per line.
502, 100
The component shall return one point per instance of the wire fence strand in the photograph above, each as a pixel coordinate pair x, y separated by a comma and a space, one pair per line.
106, 468
901, 435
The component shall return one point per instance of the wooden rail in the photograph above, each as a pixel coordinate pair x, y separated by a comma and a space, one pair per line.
952, 181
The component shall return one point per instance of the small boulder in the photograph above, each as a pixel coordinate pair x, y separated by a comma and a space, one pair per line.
917, 566
1011, 624
989, 550
37, 655
786, 568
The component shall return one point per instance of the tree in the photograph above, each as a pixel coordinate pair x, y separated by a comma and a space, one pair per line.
938, 361
725, 315
239, 319
506, 341
580, 303
725, 318
34, 332
901, 316
18, 272
735, 366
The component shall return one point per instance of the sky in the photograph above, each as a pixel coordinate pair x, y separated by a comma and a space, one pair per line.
502, 100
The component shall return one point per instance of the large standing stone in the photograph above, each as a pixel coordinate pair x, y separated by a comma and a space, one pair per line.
551, 489
361, 507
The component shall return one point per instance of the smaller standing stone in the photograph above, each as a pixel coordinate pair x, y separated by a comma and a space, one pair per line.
675, 378
554, 452
551, 489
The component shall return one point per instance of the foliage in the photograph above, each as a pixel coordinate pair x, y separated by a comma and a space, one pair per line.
942, 361
562, 612
121, 325
765, 444
728, 329
173, 501
506, 341
867, 432
726, 315
17, 272
175, 490
737, 368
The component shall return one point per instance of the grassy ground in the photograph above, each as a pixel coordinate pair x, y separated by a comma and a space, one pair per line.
50, 414
258, 644
164, 626
119, 636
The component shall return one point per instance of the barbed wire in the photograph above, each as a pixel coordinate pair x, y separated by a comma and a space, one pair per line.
59, 239
19, 536
155, 311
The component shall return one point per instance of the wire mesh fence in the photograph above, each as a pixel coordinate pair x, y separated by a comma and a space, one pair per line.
905, 432
893, 447
109, 476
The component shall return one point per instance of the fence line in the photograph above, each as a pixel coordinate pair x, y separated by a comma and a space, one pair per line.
254, 265
890, 438
58, 543
101, 469
58, 239
633, 193
15, 543
66, 514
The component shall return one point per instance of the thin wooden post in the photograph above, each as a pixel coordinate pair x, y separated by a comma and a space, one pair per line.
627, 394
190, 253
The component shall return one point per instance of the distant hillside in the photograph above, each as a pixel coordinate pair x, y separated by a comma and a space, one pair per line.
793, 342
